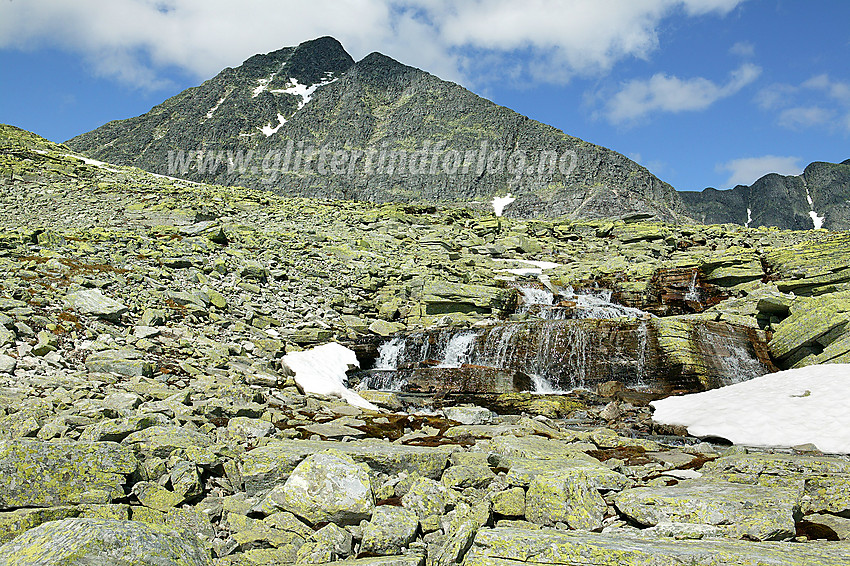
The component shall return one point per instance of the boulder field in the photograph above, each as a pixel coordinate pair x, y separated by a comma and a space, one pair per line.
148, 416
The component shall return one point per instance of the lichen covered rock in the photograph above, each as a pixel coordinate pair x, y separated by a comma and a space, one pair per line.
45, 474
568, 497
507, 546
390, 530
328, 487
78, 542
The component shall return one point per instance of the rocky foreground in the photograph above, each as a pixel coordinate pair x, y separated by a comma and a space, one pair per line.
148, 416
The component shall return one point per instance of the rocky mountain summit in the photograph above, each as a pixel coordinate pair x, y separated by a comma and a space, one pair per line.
150, 413
402, 135
816, 199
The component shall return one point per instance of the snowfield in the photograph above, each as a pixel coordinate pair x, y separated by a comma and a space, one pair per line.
321, 370
783, 409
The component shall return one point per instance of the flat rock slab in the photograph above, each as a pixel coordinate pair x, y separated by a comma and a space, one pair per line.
46, 474
509, 547
824, 480
522, 471
92, 301
78, 542
411, 559
538, 447
126, 362
269, 465
162, 441
759, 512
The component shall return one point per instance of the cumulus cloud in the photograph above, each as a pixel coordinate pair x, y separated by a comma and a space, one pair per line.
663, 93
747, 170
135, 40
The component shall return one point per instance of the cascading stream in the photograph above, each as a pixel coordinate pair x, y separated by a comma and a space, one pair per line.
568, 340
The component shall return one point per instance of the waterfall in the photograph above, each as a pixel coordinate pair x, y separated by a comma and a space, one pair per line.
535, 296
643, 350
383, 380
389, 353
597, 304
458, 350
557, 355
594, 304
693, 293
741, 365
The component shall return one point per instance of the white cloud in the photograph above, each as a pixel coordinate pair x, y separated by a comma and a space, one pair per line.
135, 40
819, 101
802, 117
743, 49
701, 7
747, 170
836, 90
664, 93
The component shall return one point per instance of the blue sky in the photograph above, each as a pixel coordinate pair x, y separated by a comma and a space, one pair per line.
702, 92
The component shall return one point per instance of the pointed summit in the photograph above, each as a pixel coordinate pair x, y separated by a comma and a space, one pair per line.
314, 98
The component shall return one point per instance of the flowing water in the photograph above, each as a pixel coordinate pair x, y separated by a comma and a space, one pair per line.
693, 293
569, 340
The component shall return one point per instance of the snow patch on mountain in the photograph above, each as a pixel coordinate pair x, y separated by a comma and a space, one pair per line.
263, 85
499, 203
304, 91
214, 108
268, 129
817, 219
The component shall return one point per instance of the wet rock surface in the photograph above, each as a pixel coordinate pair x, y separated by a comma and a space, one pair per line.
177, 424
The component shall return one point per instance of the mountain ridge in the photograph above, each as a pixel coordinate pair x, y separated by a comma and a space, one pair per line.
816, 198
380, 104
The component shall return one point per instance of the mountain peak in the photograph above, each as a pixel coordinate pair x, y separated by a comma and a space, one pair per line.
313, 60
286, 99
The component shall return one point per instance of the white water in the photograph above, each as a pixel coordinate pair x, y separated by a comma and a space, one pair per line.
555, 353
535, 296
643, 349
749, 217
693, 290
597, 304
458, 350
588, 304
389, 354
740, 364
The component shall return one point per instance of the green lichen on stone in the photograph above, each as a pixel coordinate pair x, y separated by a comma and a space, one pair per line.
78, 542
42, 474
507, 546
565, 497
753, 511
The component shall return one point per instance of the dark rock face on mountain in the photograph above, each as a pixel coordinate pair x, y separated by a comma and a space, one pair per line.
309, 121
817, 198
